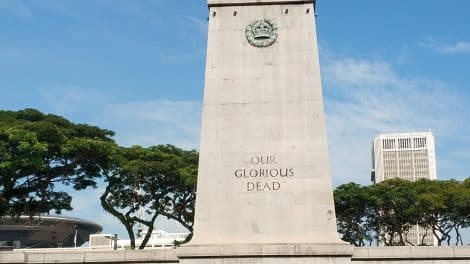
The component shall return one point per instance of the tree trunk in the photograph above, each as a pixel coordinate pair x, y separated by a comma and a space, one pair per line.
149, 231
130, 232
128, 224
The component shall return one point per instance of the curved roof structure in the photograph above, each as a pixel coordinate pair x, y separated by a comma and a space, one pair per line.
46, 231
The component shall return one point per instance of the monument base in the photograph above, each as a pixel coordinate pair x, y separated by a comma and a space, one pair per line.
266, 254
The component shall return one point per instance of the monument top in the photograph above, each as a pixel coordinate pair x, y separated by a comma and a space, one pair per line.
251, 2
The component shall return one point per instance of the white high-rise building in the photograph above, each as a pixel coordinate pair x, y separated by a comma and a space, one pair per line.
408, 156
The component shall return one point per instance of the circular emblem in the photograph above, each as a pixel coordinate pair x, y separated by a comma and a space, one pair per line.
261, 33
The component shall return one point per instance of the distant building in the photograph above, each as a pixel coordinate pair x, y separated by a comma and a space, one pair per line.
45, 231
408, 156
158, 239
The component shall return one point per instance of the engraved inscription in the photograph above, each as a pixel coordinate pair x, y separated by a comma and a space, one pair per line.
264, 174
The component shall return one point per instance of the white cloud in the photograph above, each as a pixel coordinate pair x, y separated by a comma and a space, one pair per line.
136, 122
458, 47
72, 99
355, 72
365, 97
156, 122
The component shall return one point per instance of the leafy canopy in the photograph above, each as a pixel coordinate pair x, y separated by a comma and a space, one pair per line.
388, 210
158, 180
39, 152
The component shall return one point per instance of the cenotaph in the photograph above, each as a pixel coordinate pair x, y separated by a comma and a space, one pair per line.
264, 191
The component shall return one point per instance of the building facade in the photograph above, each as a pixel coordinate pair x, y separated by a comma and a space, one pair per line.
408, 156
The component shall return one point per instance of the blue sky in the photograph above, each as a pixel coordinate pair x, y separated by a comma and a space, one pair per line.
137, 67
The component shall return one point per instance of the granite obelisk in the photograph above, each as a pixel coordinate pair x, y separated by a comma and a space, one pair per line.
264, 177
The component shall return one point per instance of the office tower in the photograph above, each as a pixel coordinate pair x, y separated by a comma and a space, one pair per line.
408, 156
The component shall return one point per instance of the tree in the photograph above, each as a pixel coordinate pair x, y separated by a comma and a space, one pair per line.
40, 152
158, 180
434, 212
394, 206
181, 206
391, 207
461, 215
444, 207
354, 213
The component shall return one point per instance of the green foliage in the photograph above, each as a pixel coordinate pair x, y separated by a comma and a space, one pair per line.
386, 211
159, 180
444, 207
353, 209
38, 152
394, 206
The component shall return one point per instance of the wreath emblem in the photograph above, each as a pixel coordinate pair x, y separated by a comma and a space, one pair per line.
261, 33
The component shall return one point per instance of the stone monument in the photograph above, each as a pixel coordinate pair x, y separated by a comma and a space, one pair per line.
264, 191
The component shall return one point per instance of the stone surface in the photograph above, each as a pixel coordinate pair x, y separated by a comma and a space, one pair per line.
270, 260
239, 2
412, 253
267, 250
81, 255
12, 257
267, 254
264, 170
297, 254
